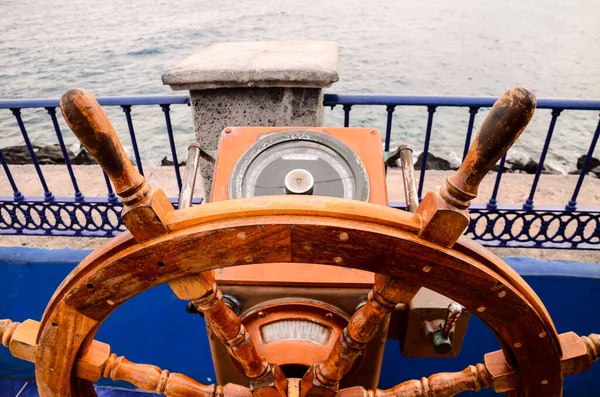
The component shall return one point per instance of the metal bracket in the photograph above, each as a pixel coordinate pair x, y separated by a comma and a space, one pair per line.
195, 151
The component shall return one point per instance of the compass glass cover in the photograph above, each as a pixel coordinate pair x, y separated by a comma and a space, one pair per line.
332, 174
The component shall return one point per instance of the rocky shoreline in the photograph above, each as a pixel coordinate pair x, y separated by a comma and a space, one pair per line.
52, 155
46, 155
510, 166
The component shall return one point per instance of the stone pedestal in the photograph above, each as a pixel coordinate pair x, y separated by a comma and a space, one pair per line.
254, 84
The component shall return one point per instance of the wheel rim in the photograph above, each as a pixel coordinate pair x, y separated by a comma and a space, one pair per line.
296, 230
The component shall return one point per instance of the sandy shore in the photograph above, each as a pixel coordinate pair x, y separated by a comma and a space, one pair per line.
514, 189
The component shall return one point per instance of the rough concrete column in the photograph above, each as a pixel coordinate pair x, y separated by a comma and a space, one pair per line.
254, 84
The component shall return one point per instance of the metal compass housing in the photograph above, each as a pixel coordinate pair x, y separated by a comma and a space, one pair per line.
299, 162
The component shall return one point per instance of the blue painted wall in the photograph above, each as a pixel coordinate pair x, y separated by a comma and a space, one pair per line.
154, 327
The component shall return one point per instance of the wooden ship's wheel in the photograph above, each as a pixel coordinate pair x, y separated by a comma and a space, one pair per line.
291, 230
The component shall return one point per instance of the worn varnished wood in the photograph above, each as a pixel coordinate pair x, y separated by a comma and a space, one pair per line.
486, 257
323, 378
307, 237
20, 338
325, 207
97, 361
441, 219
502, 126
265, 379
444, 213
89, 123
229, 329
579, 353
154, 379
145, 219
474, 377
144, 209
205, 295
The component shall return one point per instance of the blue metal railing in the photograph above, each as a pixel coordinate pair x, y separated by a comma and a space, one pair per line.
51, 105
515, 225
474, 104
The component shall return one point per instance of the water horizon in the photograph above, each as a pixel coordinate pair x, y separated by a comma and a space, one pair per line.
430, 47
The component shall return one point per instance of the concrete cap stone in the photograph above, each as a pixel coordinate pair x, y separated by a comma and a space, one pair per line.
257, 64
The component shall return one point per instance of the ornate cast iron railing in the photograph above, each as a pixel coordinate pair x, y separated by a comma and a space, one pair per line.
510, 225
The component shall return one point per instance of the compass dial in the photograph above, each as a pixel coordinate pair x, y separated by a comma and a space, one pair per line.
299, 162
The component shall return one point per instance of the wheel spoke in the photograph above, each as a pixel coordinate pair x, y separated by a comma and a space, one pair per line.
97, 361
154, 379
443, 384
323, 379
579, 354
231, 332
202, 290
229, 329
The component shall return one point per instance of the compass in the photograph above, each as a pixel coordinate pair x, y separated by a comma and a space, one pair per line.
299, 162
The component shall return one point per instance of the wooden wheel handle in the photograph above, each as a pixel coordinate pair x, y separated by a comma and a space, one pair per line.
91, 126
506, 121
147, 220
444, 214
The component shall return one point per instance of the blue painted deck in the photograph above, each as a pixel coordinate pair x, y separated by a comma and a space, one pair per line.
154, 328
22, 388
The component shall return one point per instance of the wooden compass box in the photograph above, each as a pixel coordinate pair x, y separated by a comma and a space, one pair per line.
364, 142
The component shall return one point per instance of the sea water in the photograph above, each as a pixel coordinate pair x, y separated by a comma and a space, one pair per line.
425, 47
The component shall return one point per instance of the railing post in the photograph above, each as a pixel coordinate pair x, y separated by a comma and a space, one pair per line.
572, 205
388, 126
48, 196
52, 112
430, 110
167, 111
254, 83
472, 112
136, 151
112, 197
17, 195
347, 108
493, 202
529, 202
